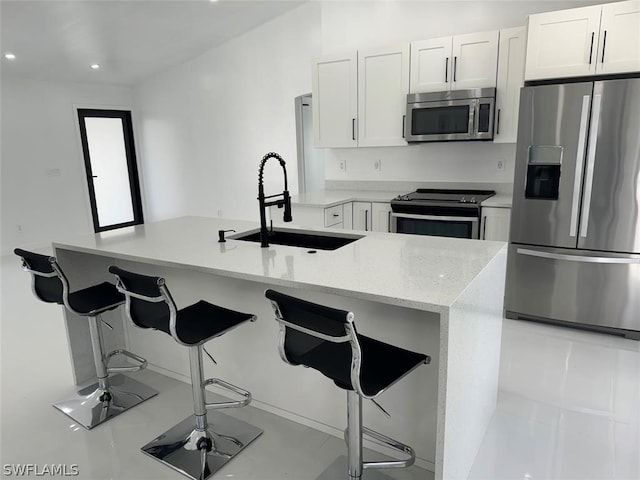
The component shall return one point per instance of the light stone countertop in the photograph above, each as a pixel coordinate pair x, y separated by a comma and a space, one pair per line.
330, 198
415, 271
500, 200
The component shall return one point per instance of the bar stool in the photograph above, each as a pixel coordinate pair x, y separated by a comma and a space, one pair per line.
326, 340
202, 443
111, 395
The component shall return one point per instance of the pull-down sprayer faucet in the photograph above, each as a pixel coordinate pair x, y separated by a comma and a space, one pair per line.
285, 201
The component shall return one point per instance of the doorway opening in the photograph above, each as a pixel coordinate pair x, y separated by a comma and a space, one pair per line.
111, 168
310, 159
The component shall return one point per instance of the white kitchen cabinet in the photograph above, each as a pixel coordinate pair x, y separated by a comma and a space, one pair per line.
371, 216
510, 79
360, 99
383, 84
454, 63
619, 41
380, 217
335, 101
337, 216
601, 39
495, 223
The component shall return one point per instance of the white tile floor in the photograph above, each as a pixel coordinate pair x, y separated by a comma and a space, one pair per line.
569, 408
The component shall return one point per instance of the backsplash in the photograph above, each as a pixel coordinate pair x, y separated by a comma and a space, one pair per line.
479, 162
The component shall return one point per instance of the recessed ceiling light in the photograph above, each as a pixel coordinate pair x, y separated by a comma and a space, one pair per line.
9, 56
95, 66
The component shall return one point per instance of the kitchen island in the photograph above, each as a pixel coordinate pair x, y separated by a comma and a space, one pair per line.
439, 296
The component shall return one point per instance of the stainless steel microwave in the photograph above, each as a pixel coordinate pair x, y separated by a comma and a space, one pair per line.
451, 115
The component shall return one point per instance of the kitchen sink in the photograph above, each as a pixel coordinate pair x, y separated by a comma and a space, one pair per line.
300, 238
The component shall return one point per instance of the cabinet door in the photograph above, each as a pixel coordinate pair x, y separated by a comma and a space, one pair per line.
361, 215
335, 101
347, 215
475, 60
495, 223
510, 80
619, 43
431, 65
380, 217
383, 84
563, 43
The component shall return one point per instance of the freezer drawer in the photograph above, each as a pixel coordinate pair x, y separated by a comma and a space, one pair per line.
579, 286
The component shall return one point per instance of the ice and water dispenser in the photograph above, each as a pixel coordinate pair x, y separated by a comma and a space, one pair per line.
543, 172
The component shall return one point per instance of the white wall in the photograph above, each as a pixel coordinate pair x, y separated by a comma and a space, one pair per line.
348, 26
205, 125
39, 138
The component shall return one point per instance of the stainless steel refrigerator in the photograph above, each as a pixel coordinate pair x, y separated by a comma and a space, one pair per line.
574, 250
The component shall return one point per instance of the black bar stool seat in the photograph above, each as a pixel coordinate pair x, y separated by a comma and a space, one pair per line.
111, 395
204, 442
325, 339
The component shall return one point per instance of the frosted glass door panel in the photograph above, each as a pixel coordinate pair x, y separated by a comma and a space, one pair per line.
110, 170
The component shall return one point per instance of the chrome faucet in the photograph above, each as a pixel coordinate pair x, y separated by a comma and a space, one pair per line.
285, 201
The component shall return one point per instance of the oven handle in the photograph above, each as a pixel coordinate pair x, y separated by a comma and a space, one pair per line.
435, 217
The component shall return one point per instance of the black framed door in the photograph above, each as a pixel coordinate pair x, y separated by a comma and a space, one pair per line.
111, 168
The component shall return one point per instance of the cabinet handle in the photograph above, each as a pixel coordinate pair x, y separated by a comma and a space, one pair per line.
455, 67
366, 220
591, 48
336, 214
389, 222
604, 45
498, 123
404, 120
353, 129
446, 70
484, 227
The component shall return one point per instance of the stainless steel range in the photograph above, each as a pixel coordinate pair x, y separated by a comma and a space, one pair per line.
445, 213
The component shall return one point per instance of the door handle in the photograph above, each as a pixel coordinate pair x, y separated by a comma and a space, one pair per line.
455, 67
366, 220
94, 176
404, 121
591, 160
604, 45
446, 70
591, 48
577, 258
498, 122
389, 222
353, 129
582, 137
484, 227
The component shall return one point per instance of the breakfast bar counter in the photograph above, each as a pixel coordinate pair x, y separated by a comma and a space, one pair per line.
438, 296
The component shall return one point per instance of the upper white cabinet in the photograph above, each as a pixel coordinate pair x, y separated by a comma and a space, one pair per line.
360, 100
619, 41
335, 101
510, 79
584, 41
454, 63
383, 84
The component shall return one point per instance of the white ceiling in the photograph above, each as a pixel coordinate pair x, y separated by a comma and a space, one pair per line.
130, 39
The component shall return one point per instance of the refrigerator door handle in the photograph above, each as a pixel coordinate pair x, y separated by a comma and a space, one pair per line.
591, 158
577, 258
575, 202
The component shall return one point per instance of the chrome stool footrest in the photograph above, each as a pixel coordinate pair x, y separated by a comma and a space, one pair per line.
198, 454
231, 388
96, 404
393, 444
142, 361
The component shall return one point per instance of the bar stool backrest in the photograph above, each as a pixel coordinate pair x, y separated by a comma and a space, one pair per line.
305, 326
45, 281
146, 304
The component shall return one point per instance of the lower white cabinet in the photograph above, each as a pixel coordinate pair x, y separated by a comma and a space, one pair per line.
337, 216
495, 223
371, 216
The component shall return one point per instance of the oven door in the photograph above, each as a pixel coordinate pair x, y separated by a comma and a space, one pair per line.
438, 225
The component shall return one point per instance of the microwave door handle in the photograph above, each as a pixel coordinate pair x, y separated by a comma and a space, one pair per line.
473, 119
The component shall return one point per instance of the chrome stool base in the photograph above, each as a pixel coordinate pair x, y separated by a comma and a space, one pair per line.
339, 468
94, 405
178, 447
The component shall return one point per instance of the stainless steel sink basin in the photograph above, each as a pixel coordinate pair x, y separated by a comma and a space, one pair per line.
300, 238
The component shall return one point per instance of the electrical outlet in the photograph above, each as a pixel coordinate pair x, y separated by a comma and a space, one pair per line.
500, 164
219, 213
377, 165
19, 228
343, 165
